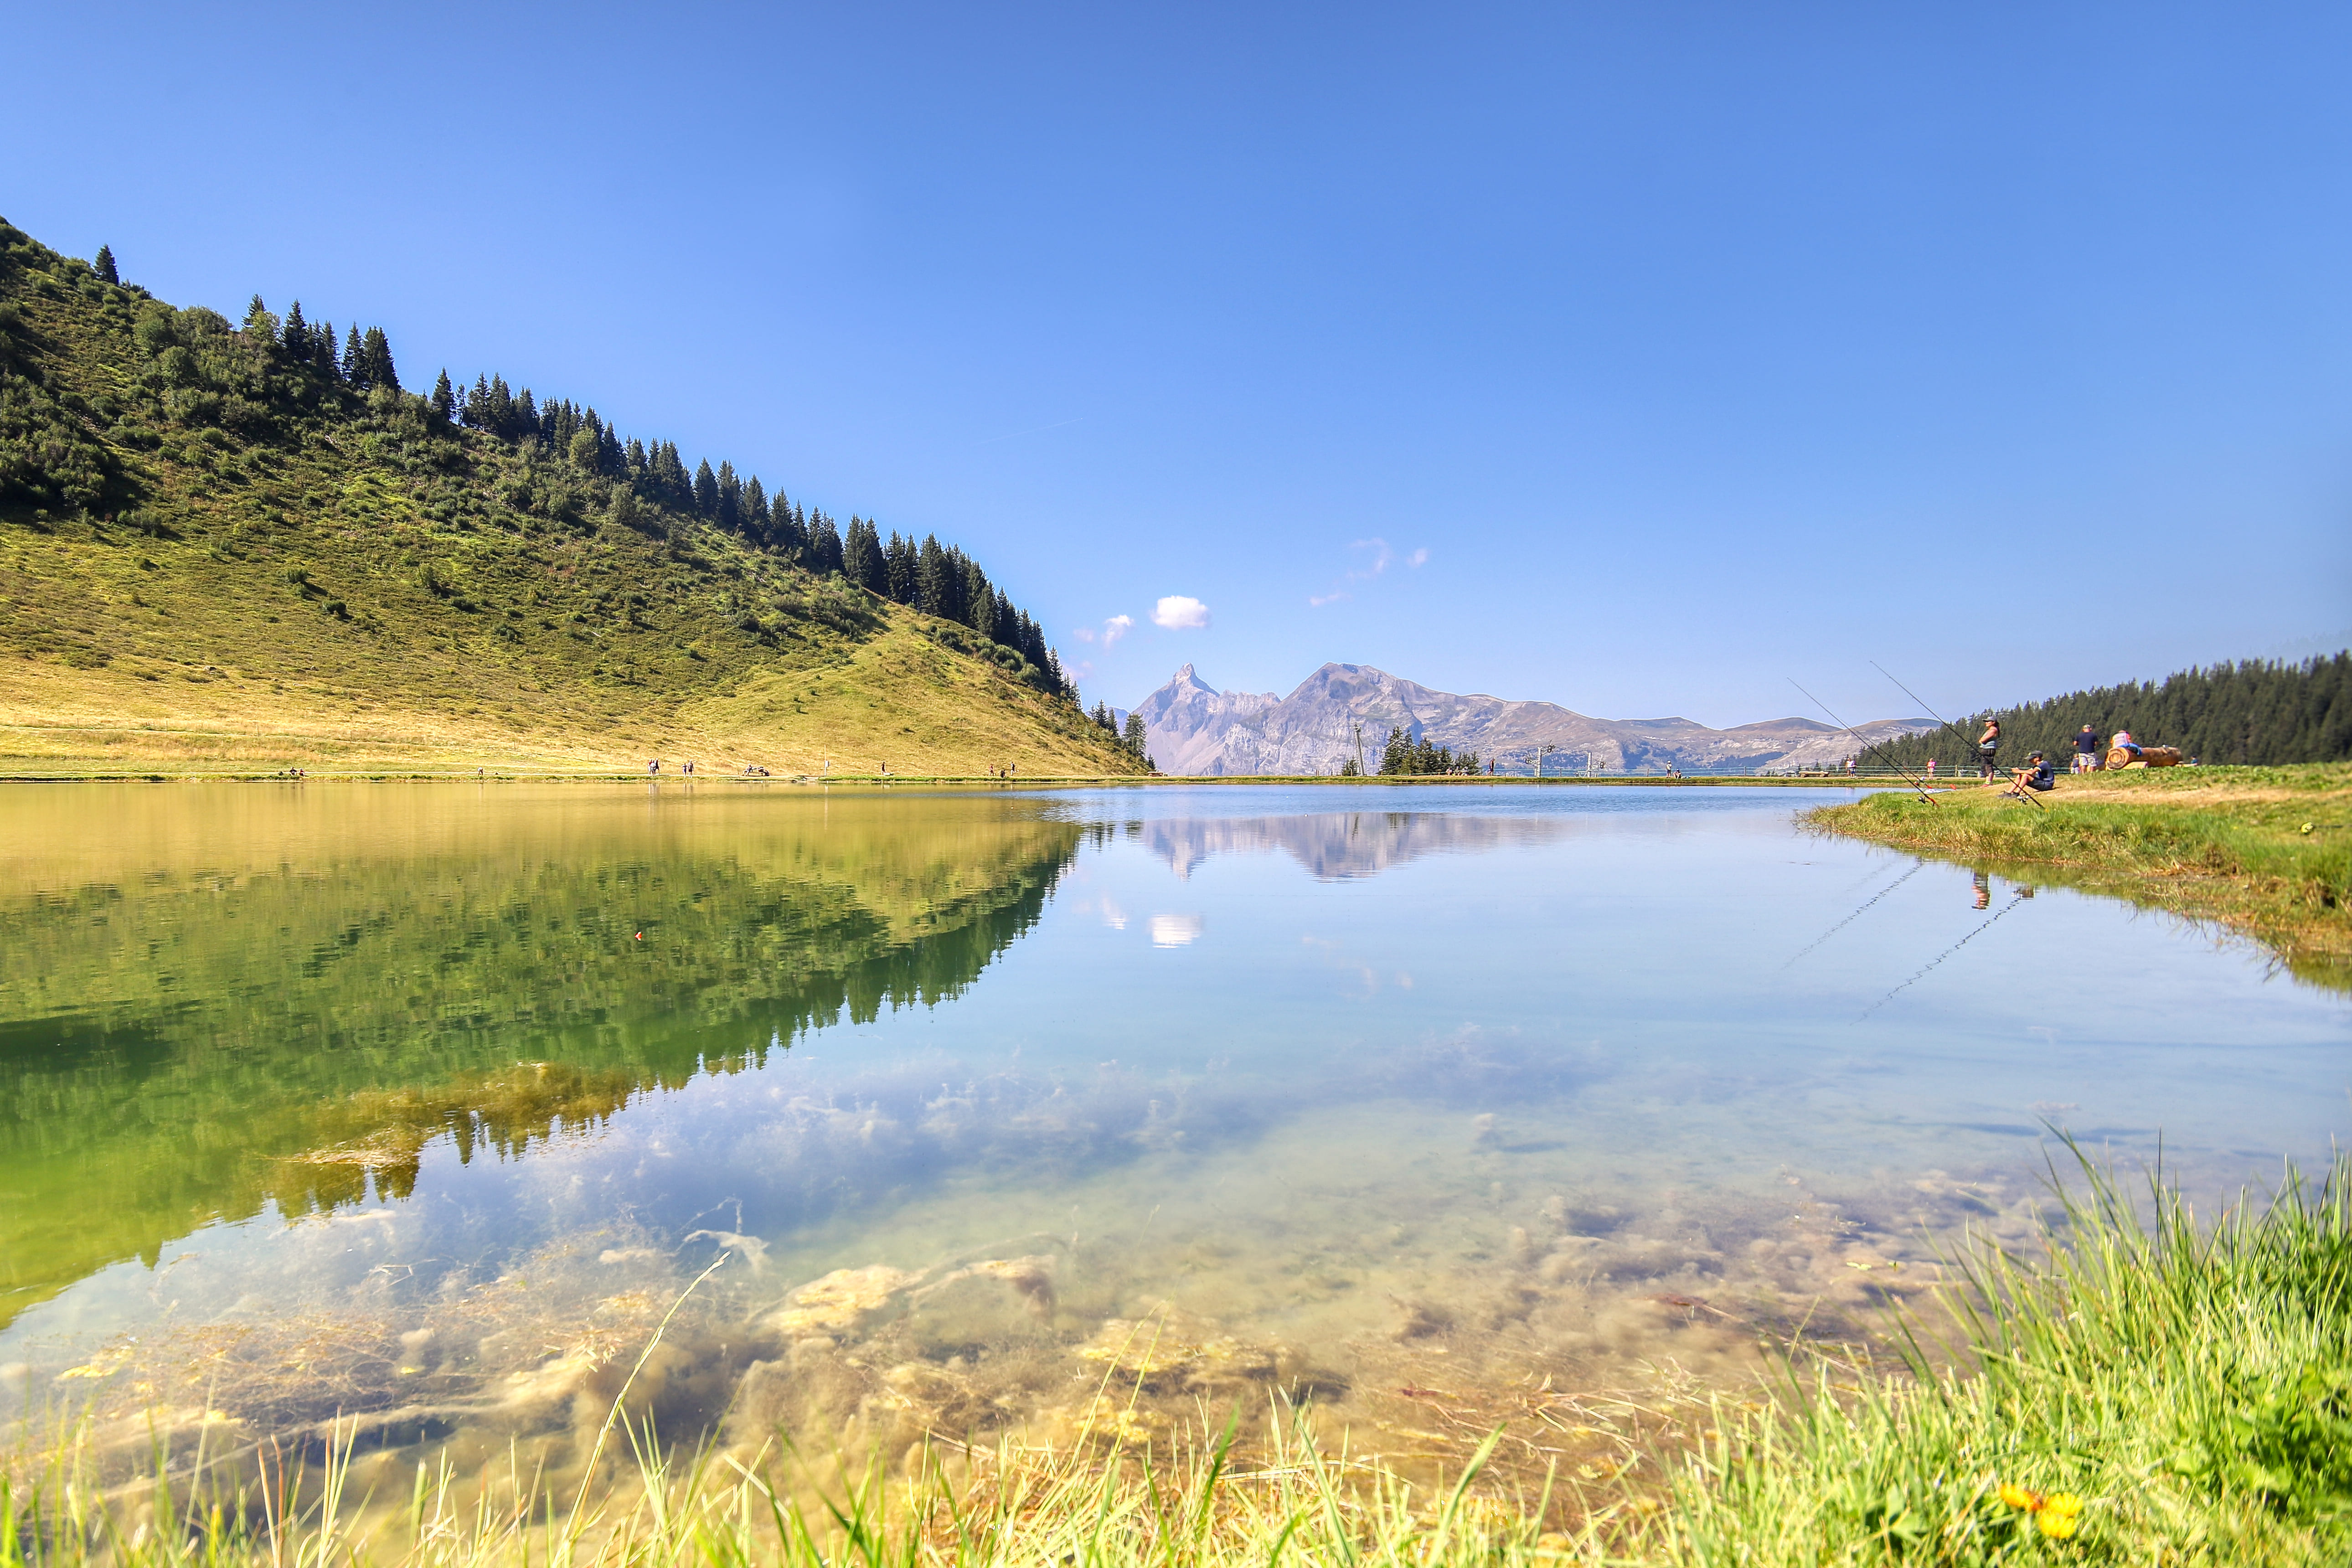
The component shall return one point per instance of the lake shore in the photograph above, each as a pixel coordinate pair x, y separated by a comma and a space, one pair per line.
2263, 852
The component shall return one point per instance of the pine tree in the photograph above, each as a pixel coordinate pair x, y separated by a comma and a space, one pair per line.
824, 546
354, 365
898, 565
706, 489
104, 266
729, 512
322, 353
260, 326
523, 416
296, 337
378, 350
931, 578
979, 599
445, 396
1135, 738
755, 506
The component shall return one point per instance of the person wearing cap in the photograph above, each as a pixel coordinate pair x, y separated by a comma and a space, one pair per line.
1989, 748
2086, 750
2036, 773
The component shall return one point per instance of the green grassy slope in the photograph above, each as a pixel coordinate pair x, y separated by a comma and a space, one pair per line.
213, 558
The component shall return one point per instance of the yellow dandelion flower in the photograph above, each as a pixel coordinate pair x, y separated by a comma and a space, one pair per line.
2063, 1503
2016, 1495
2056, 1525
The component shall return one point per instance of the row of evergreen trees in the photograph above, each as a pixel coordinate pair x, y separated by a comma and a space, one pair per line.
2254, 712
1401, 755
939, 580
1132, 736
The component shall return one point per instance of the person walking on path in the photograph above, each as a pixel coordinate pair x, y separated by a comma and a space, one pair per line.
1989, 748
2086, 750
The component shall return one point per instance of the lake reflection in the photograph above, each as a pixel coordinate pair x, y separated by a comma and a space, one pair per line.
1065, 1112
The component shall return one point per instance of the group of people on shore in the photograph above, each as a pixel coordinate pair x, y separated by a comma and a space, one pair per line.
2037, 773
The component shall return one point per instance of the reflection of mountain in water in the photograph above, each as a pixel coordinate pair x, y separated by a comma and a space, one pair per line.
212, 1026
1340, 845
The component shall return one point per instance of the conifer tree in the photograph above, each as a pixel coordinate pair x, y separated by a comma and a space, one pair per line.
755, 506
729, 512
787, 529
296, 336
976, 609
899, 567
354, 364
445, 396
104, 266
322, 353
824, 545
260, 326
706, 489
378, 350
1135, 738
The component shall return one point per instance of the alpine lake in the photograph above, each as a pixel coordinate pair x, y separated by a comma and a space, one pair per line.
404, 1117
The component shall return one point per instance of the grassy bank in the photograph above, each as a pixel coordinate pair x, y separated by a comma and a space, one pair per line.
2267, 851
2147, 1388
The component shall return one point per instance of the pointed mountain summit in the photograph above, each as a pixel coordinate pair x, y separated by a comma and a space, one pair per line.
1194, 728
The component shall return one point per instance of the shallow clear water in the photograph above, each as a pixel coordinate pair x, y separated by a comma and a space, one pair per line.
1062, 1112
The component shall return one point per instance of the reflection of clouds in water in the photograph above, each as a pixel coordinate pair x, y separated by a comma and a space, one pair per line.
1174, 931
1345, 844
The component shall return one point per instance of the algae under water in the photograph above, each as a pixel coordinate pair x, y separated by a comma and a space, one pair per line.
1076, 1114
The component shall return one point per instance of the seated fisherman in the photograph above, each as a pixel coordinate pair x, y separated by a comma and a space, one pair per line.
2036, 774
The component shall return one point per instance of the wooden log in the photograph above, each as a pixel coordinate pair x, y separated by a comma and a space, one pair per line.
2149, 757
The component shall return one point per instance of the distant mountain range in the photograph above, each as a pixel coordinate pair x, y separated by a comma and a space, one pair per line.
1193, 728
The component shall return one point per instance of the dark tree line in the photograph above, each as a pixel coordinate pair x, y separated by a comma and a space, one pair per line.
2253, 712
1403, 754
939, 580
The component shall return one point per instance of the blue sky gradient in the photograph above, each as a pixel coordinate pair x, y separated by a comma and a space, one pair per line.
1699, 347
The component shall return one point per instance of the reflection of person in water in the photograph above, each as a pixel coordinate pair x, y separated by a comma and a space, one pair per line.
1984, 889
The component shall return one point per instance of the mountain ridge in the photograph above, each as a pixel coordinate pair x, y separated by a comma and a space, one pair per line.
1194, 728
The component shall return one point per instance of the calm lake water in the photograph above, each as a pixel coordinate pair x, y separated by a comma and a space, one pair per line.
1050, 1113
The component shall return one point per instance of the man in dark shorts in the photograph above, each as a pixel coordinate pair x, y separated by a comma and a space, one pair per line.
1988, 747
2086, 750
2036, 774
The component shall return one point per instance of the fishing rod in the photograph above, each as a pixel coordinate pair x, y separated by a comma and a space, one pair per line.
1917, 866
1866, 746
2022, 894
1946, 724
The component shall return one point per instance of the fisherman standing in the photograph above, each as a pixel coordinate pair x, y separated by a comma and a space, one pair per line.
1988, 747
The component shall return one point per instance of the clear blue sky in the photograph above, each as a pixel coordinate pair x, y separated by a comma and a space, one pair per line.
1698, 346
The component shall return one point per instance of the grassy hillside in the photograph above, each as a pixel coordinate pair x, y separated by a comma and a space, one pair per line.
213, 556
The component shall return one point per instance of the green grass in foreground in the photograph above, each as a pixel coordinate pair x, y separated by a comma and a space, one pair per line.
2265, 850
2169, 1392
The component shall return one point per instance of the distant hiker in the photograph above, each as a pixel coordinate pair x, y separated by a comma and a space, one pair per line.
2086, 750
1988, 747
652, 766
2036, 774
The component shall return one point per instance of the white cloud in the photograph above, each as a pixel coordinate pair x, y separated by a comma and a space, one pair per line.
1318, 600
1175, 931
1377, 560
1118, 626
1084, 633
1180, 612
1381, 556
1417, 558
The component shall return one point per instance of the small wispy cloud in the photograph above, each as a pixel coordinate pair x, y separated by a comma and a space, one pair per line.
1180, 612
1084, 633
1118, 626
1376, 555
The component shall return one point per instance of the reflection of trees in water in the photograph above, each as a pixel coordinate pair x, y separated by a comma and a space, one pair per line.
1339, 845
192, 1045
